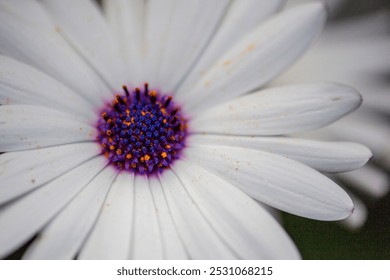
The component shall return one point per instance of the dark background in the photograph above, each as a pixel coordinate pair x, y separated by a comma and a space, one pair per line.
330, 241
352, 8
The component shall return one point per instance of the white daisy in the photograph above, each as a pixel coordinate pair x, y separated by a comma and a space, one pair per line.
96, 171
354, 52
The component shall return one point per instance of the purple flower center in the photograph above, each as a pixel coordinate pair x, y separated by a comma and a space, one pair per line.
141, 131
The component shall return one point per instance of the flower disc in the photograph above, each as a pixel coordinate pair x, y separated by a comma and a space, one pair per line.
142, 131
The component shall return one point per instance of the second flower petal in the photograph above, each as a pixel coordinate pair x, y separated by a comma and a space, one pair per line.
277, 181
323, 156
278, 111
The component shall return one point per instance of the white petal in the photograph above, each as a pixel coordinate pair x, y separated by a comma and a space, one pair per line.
323, 156
350, 52
172, 244
30, 127
126, 21
332, 6
275, 213
279, 110
246, 227
23, 218
366, 127
63, 236
198, 235
146, 236
82, 24
24, 171
259, 57
22, 84
189, 29
277, 181
169, 48
110, 238
35, 40
241, 18
369, 179
157, 18
358, 217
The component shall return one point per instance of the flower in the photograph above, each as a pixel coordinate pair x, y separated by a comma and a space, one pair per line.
78, 170
352, 52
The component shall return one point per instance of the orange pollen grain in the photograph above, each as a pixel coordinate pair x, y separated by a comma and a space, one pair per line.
112, 147
128, 156
147, 157
119, 152
164, 154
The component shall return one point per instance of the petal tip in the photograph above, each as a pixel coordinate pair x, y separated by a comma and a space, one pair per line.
349, 209
314, 11
364, 153
370, 157
347, 94
317, 8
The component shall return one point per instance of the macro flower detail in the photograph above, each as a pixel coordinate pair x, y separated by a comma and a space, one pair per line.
142, 132
172, 169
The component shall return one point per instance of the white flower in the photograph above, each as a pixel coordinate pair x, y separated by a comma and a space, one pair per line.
354, 52
57, 117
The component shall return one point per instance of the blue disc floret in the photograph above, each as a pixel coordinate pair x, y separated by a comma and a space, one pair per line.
141, 131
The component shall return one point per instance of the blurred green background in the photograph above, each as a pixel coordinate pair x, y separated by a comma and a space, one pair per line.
328, 240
